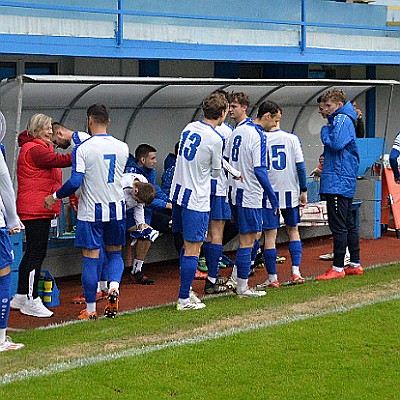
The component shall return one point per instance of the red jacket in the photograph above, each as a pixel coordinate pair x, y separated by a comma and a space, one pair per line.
39, 174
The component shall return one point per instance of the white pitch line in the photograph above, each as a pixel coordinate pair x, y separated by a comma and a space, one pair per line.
92, 360
136, 310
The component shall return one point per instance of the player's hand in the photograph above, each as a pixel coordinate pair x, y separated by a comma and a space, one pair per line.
277, 211
397, 180
49, 201
303, 199
143, 226
168, 206
238, 178
17, 229
73, 202
316, 172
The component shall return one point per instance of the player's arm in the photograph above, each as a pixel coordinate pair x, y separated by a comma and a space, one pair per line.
161, 201
138, 215
216, 162
8, 197
339, 134
261, 174
302, 175
301, 170
231, 170
69, 187
394, 154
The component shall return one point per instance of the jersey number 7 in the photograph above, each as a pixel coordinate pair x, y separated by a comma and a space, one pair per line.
111, 167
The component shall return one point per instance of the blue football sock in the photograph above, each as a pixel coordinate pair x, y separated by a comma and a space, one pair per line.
104, 265
90, 277
243, 261
115, 265
214, 253
5, 286
188, 269
254, 250
270, 260
296, 252
206, 251
104, 271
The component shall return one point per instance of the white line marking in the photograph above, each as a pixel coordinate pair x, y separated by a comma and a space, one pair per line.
86, 361
136, 310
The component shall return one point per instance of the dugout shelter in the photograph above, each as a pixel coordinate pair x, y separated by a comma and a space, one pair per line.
155, 110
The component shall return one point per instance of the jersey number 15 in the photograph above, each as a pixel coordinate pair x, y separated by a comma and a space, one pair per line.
277, 157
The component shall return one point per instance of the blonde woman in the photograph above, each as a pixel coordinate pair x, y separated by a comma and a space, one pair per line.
39, 174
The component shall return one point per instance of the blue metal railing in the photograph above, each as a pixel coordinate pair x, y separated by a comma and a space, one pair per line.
120, 12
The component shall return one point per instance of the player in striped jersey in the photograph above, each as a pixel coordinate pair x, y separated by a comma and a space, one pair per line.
287, 174
98, 166
394, 155
247, 152
62, 138
239, 103
9, 225
199, 158
219, 213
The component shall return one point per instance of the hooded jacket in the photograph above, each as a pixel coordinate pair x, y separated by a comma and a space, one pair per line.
339, 173
39, 174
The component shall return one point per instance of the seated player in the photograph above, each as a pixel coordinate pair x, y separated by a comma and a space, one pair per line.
138, 193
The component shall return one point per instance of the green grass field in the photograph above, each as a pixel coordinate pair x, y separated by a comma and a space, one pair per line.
322, 340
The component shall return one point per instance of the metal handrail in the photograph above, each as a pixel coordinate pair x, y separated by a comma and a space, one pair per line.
120, 12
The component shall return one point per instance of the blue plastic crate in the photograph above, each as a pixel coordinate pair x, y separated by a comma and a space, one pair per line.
313, 191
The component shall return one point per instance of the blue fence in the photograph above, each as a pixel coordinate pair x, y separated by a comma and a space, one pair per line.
304, 17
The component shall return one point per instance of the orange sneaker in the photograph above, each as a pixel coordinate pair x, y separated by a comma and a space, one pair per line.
81, 299
358, 270
200, 275
297, 279
268, 284
85, 315
331, 274
111, 309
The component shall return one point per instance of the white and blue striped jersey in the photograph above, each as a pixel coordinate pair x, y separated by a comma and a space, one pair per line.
102, 160
200, 152
128, 179
245, 150
219, 185
79, 137
8, 211
396, 143
284, 152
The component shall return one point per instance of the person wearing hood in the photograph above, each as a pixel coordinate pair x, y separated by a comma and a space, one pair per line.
338, 181
39, 174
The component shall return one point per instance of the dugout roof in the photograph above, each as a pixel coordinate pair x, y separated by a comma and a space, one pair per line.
155, 110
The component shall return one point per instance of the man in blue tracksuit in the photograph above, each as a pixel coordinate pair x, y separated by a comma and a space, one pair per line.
338, 181
143, 164
157, 214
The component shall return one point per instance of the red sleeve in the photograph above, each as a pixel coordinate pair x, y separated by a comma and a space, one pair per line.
46, 159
